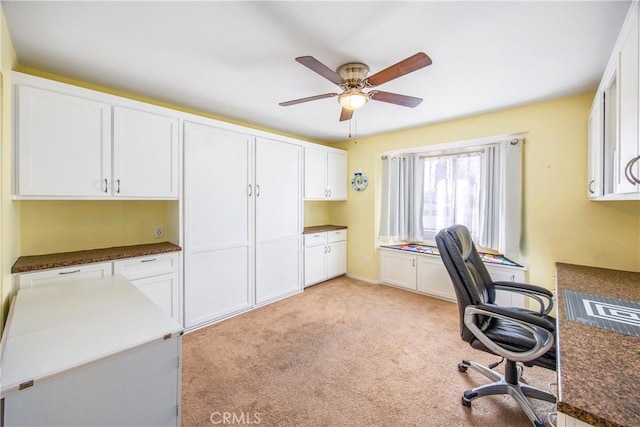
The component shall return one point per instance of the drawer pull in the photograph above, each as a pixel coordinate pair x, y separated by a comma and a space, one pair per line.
70, 272
149, 260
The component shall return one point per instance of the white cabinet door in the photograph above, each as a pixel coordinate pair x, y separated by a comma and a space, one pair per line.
336, 259
337, 176
157, 276
145, 152
61, 275
315, 264
628, 90
506, 274
315, 174
433, 278
163, 291
218, 237
278, 219
398, 269
64, 145
595, 184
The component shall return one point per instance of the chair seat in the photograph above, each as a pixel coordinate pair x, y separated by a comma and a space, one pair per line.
515, 338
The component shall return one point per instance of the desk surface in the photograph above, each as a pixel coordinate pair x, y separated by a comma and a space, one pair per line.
54, 329
598, 369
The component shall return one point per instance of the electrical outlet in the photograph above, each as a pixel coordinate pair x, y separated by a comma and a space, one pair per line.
366, 260
158, 232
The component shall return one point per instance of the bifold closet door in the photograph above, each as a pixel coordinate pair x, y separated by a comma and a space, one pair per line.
278, 219
218, 223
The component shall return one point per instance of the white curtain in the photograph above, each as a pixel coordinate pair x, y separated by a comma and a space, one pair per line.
490, 195
500, 198
402, 196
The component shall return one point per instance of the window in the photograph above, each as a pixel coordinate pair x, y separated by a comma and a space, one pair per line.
451, 193
474, 184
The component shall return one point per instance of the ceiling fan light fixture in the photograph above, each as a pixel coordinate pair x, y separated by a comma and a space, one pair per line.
353, 99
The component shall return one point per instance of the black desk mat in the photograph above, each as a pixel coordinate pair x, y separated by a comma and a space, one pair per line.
607, 313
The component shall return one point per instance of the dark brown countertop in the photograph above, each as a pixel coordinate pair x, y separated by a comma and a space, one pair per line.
322, 228
598, 369
41, 262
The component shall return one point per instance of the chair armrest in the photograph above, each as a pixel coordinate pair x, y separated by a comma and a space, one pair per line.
538, 293
541, 329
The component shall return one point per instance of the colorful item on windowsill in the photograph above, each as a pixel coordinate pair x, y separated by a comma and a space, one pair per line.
432, 250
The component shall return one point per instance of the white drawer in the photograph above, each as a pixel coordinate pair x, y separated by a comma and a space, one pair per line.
315, 239
147, 266
61, 275
336, 236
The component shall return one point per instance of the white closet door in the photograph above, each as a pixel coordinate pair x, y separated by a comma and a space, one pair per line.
278, 219
218, 219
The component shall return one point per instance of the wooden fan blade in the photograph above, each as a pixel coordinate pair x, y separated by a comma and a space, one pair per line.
406, 66
314, 65
307, 99
394, 98
346, 114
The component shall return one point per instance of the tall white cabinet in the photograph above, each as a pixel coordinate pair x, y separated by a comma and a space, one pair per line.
242, 203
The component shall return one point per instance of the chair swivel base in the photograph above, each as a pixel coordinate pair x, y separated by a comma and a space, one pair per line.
506, 384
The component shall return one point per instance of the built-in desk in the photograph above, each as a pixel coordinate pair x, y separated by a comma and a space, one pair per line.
598, 369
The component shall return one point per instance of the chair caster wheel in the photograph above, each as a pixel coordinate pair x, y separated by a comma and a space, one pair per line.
465, 403
462, 367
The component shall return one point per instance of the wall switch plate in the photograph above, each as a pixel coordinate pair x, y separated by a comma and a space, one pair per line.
158, 232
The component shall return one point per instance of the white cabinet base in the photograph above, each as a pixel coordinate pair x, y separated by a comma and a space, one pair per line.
132, 389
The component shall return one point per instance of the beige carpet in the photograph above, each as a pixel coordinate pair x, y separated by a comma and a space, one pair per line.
342, 353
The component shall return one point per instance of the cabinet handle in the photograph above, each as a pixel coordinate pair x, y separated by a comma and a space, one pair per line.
257, 190
149, 260
329, 193
326, 193
70, 272
413, 262
106, 186
628, 173
329, 249
250, 190
118, 186
325, 249
589, 186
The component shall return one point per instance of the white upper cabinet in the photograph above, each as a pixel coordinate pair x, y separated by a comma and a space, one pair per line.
325, 174
614, 146
145, 153
75, 143
628, 162
64, 145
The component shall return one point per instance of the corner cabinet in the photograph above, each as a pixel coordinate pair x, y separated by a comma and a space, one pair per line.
75, 143
325, 173
613, 128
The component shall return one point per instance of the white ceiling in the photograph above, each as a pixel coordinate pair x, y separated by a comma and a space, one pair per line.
236, 59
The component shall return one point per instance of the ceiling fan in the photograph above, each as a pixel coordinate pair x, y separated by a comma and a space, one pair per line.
352, 78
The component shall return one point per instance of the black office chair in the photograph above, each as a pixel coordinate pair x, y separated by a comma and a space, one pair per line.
517, 334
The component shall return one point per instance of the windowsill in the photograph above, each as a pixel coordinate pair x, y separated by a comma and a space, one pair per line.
487, 258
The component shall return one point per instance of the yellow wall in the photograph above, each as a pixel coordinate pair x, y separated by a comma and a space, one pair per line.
9, 212
560, 223
62, 226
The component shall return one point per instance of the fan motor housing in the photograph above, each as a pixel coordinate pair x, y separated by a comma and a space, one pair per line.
353, 71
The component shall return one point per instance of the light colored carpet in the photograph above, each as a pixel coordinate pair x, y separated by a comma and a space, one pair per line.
342, 353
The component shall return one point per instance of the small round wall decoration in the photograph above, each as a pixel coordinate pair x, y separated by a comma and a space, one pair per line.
359, 181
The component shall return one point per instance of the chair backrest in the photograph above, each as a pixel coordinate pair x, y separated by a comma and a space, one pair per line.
469, 276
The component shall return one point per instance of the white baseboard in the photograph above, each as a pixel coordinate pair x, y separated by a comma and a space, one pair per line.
363, 279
